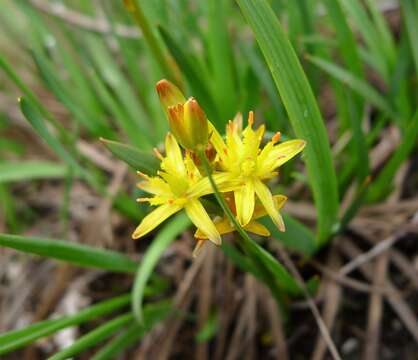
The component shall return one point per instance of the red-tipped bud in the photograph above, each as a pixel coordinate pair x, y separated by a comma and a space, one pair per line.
196, 123
170, 94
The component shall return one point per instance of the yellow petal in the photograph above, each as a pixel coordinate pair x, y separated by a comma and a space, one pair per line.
266, 199
154, 218
224, 181
223, 226
217, 141
174, 155
257, 228
260, 210
244, 202
198, 215
285, 151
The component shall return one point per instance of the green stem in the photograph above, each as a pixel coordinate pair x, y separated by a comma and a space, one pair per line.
247, 244
150, 38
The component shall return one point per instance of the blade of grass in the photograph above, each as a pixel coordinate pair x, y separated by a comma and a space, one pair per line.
153, 313
192, 74
356, 84
221, 59
77, 254
348, 48
137, 159
410, 12
93, 337
151, 257
32, 115
31, 170
296, 237
380, 185
301, 107
16, 339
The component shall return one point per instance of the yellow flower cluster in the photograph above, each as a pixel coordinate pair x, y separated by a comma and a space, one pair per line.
240, 170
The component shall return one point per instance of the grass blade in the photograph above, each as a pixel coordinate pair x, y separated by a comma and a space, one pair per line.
301, 107
153, 313
37, 122
93, 337
410, 11
296, 237
221, 59
356, 84
192, 73
77, 254
151, 257
16, 339
379, 186
137, 159
31, 170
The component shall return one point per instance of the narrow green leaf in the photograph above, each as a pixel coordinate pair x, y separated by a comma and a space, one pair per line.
153, 313
380, 185
16, 339
93, 337
192, 73
37, 122
137, 159
77, 254
410, 11
209, 328
31, 170
161, 241
301, 107
296, 237
356, 84
221, 59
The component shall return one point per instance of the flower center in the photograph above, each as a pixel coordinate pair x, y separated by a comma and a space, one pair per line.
248, 167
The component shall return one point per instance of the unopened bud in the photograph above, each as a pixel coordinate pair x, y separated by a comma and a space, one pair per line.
170, 94
197, 124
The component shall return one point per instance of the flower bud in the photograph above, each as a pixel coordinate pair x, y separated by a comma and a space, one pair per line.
170, 94
189, 124
197, 124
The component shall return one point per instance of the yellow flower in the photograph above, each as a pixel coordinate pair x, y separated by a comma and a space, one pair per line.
242, 159
224, 226
187, 120
179, 185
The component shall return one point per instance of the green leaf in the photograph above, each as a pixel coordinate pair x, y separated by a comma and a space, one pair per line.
410, 11
161, 241
153, 313
37, 122
93, 337
77, 254
209, 328
16, 339
137, 159
301, 107
358, 85
192, 73
31, 170
296, 237
380, 185
221, 59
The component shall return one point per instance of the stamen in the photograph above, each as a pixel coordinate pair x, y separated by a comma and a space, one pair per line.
157, 154
251, 118
276, 137
141, 174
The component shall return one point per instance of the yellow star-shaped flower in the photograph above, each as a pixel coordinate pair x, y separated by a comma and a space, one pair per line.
179, 185
241, 158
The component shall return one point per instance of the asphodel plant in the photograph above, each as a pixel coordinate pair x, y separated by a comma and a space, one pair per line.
239, 164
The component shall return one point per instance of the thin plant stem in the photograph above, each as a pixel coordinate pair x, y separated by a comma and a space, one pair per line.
150, 38
247, 244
